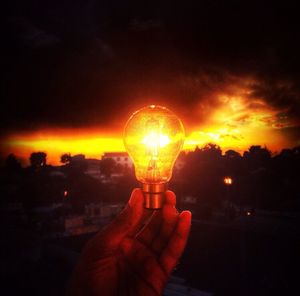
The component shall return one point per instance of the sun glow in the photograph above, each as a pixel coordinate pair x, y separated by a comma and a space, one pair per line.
236, 123
154, 140
56, 143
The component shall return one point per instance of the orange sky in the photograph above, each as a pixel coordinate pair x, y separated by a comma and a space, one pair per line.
233, 123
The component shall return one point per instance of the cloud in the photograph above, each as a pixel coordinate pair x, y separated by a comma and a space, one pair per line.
113, 58
283, 95
31, 35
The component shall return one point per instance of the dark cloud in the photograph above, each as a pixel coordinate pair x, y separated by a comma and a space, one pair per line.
30, 35
284, 95
78, 63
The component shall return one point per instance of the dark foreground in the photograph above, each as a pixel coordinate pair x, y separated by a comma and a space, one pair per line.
220, 258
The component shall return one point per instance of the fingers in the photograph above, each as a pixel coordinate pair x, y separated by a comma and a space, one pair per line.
170, 198
145, 264
152, 229
177, 242
169, 221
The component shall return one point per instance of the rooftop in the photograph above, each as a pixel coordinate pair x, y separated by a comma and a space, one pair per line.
115, 154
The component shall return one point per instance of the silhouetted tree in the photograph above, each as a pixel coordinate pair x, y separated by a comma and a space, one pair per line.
231, 154
212, 150
257, 156
65, 158
203, 173
38, 159
78, 164
12, 165
233, 164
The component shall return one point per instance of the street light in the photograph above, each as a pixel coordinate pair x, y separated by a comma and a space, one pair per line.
228, 181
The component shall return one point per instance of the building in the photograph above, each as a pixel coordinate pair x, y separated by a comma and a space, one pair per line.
73, 222
120, 158
100, 210
123, 159
93, 168
75, 225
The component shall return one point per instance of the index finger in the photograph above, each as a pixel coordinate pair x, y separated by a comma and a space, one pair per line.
177, 242
170, 198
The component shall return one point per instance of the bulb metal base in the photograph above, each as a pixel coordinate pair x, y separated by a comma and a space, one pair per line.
154, 195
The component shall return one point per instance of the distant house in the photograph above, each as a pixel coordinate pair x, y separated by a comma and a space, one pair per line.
75, 225
120, 158
123, 159
78, 158
100, 210
93, 168
73, 222
78, 162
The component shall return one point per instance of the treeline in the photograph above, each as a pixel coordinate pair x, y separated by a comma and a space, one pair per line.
40, 184
259, 179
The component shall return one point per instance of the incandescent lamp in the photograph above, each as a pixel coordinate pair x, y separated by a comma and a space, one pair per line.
153, 138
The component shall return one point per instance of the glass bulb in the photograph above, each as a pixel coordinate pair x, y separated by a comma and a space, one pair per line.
153, 137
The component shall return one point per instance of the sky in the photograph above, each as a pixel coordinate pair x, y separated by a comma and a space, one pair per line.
74, 71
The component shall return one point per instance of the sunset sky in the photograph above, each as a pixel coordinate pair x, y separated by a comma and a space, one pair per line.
74, 73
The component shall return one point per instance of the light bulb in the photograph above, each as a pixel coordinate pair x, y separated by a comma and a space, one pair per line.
153, 137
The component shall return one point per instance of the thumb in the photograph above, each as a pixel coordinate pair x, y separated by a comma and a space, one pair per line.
125, 222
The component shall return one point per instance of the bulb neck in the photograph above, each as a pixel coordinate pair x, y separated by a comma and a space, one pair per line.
154, 195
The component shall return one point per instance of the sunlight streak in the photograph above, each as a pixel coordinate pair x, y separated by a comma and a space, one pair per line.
236, 123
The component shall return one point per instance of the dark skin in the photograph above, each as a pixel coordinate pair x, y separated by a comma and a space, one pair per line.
136, 253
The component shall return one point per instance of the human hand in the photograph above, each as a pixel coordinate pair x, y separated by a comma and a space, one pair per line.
136, 253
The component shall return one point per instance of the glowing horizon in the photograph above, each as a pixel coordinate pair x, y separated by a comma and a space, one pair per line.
93, 146
235, 123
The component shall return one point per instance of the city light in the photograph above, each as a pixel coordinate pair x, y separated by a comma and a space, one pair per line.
228, 181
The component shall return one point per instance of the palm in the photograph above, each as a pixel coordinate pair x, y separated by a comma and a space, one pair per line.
128, 273
138, 261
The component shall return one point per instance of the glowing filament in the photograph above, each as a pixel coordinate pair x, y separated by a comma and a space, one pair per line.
155, 140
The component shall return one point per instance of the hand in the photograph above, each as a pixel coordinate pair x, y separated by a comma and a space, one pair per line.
136, 253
